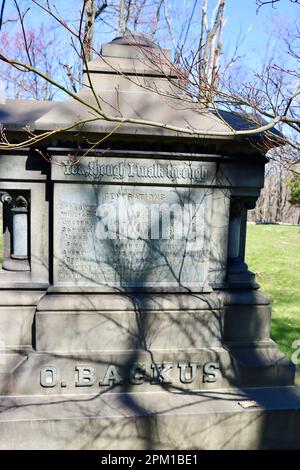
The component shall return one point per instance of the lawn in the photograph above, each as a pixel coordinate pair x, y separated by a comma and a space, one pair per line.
273, 253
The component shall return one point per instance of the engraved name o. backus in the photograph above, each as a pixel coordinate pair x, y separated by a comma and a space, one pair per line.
163, 373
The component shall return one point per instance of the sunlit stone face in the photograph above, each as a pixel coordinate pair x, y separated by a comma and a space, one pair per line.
131, 236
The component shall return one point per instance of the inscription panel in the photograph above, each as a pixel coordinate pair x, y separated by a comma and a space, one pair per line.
128, 236
131, 171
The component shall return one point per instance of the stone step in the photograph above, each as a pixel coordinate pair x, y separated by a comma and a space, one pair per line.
162, 420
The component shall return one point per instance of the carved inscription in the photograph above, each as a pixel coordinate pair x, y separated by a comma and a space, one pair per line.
77, 227
130, 236
98, 170
139, 373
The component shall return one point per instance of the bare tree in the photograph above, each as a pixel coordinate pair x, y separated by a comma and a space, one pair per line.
39, 50
273, 205
269, 100
92, 12
261, 3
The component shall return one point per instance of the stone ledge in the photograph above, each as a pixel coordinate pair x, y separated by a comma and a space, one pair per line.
118, 330
211, 420
68, 300
9, 362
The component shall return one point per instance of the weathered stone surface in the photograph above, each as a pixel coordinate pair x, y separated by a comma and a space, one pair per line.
121, 237
136, 289
154, 421
16, 326
94, 331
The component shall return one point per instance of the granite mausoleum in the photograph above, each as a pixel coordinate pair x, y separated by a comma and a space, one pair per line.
128, 316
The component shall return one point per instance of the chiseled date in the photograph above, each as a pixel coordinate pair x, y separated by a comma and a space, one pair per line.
139, 373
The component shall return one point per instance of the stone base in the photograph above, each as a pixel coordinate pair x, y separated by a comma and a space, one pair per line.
162, 420
26, 372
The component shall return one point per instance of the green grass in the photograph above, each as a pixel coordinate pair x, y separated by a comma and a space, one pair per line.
273, 253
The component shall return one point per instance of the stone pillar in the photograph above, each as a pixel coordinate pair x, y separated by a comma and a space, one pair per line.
237, 269
16, 258
234, 234
20, 229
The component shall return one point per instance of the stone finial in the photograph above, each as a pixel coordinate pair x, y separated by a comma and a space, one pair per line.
134, 39
133, 46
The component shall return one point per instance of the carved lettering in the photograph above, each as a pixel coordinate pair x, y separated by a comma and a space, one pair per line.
98, 170
184, 373
137, 374
48, 377
130, 236
161, 373
211, 372
187, 372
85, 376
112, 377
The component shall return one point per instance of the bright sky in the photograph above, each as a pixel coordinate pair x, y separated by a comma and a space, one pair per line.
244, 23
251, 29
256, 27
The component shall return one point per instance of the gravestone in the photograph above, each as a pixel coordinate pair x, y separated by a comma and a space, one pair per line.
128, 316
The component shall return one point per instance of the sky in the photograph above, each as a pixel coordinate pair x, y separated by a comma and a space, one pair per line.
253, 30
244, 24
242, 16
256, 27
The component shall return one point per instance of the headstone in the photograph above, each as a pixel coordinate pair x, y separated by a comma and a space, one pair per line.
126, 303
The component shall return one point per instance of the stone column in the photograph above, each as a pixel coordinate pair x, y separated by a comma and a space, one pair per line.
18, 211
234, 231
237, 269
20, 229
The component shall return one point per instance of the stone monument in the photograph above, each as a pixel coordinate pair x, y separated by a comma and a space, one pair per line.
129, 319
